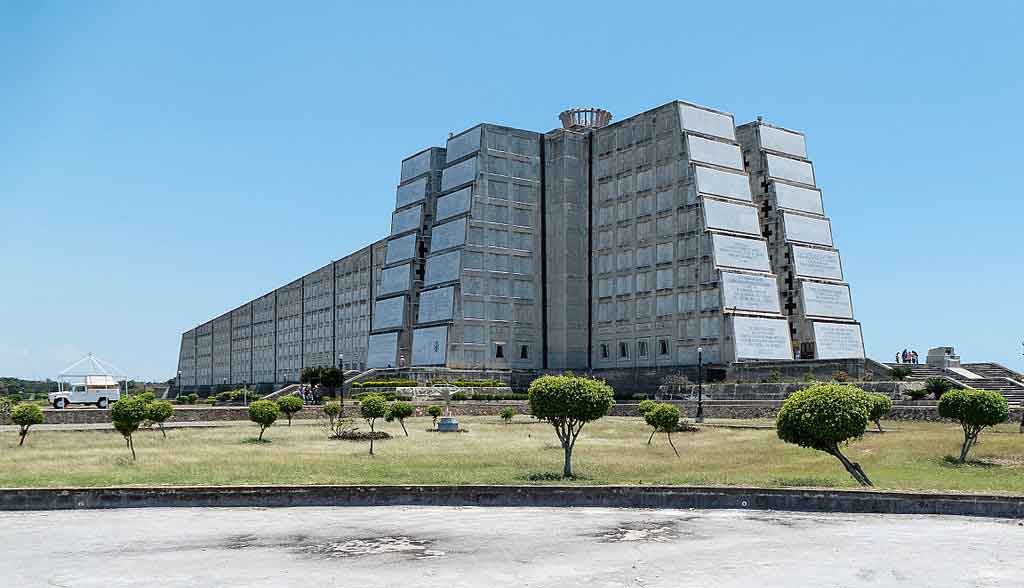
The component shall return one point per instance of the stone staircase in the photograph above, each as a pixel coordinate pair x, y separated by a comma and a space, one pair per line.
993, 377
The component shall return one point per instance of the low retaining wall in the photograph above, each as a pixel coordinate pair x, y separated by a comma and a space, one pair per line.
806, 500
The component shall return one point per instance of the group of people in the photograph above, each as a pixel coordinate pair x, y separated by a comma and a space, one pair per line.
309, 394
906, 357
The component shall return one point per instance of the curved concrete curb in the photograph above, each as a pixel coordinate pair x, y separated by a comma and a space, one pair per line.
790, 499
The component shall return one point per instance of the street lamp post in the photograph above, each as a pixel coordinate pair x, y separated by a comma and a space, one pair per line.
700, 385
245, 391
179, 384
341, 368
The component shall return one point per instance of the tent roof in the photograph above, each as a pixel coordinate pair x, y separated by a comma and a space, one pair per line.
91, 365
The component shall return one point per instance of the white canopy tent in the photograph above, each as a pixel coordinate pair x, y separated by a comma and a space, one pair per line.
94, 372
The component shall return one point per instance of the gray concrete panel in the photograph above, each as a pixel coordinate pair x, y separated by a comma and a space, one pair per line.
411, 192
714, 152
382, 351
401, 249
797, 198
447, 235
464, 144
416, 165
776, 139
455, 203
406, 220
389, 313
395, 279
458, 174
445, 267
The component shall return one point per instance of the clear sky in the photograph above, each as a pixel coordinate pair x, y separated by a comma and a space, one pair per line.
161, 163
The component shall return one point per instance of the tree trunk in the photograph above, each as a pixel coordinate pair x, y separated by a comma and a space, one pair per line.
852, 468
878, 423
371, 438
163, 430
289, 420
672, 444
652, 436
567, 466
260, 438
966, 448
24, 433
131, 445
402, 422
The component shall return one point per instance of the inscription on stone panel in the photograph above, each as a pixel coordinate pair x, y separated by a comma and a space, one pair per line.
738, 218
838, 341
793, 170
789, 142
740, 252
436, 305
401, 249
817, 263
746, 292
450, 234
797, 198
761, 338
807, 229
707, 122
714, 152
443, 268
827, 300
389, 313
454, 203
429, 346
722, 183
411, 192
382, 350
394, 279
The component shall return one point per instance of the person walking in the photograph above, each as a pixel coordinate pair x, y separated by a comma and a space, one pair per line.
897, 357
913, 355
904, 356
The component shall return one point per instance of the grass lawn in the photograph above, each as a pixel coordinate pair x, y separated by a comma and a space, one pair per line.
610, 451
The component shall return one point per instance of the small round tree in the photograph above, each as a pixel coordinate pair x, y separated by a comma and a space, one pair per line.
663, 418
263, 413
881, 406
508, 414
823, 417
289, 405
371, 408
157, 412
399, 411
645, 407
435, 411
127, 415
974, 410
26, 415
567, 403
332, 410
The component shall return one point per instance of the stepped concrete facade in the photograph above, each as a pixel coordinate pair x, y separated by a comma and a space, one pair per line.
590, 247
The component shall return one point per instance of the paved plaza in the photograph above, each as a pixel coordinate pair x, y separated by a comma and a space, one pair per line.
432, 546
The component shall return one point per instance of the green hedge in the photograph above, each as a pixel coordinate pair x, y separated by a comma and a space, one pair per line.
405, 383
385, 384
389, 396
471, 383
484, 396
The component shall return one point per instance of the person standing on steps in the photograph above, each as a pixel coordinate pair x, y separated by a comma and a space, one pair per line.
897, 357
904, 356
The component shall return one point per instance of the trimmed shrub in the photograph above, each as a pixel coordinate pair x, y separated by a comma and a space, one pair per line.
568, 402
371, 408
645, 407
917, 394
399, 411
128, 415
900, 373
459, 396
881, 406
663, 418
841, 376
435, 412
263, 413
974, 410
332, 410
289, 405
823, 417
157, 413
938, 386
26, 415
508, 414
145, 396
385, 384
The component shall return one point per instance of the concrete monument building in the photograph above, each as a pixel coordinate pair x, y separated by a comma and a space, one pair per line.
594, 246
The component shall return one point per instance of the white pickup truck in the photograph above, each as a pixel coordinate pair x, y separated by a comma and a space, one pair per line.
98, 390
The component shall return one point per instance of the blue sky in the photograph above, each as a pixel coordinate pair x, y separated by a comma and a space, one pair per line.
161, 163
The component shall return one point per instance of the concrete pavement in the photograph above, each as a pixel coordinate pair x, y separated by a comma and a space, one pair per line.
437, 546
